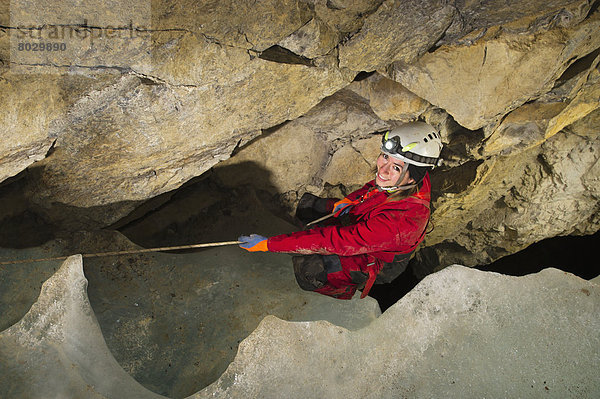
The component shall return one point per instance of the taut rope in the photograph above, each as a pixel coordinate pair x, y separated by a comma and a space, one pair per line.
128, 252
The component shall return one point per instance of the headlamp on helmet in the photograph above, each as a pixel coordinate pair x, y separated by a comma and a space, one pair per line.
416, 143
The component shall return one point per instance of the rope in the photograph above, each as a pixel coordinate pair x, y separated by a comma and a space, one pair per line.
129, 252
319, 220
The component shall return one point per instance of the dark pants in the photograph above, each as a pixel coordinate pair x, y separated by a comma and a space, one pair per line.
324, 274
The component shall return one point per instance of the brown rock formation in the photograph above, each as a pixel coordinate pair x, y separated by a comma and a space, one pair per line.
511, 85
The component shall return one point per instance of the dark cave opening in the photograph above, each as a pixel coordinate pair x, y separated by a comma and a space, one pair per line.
572, 254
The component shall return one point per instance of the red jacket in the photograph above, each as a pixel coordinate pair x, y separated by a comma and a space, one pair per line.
382, 230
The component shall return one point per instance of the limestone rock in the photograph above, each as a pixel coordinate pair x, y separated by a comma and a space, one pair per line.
311, 150
200, 124
389, 99
402, 30
473, 17
332, 23
243, 24
282, 161
24, 138
312, 40
353, 165
27, 119
346, 16
369, 148
585, 102
57, 349
347, 167
49, 38
344, 115
511, 197
498, 72
586, 126
533, 123
573, 163
462, 334
522, 128
131, 128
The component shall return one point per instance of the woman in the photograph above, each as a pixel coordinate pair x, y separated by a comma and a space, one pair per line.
389, 217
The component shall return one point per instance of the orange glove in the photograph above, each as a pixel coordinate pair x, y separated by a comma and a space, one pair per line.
342, 207
254, 243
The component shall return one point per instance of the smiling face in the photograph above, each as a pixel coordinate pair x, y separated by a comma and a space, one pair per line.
389, 170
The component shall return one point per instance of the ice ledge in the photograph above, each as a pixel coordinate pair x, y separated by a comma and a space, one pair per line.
459, 333
57, 349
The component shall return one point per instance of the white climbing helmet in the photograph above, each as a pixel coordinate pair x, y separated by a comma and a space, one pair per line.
416, 143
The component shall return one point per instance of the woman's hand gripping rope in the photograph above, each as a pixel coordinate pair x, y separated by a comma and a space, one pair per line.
254, 243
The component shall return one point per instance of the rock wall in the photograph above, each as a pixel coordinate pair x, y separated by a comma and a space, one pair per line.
288, 96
